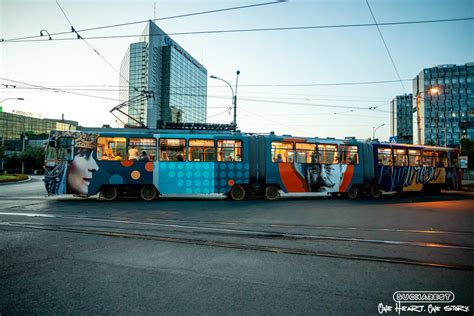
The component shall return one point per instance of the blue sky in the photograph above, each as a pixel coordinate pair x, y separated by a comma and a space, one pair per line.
264, 58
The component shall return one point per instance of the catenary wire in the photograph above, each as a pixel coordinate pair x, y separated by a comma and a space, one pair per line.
254, 30
154, 20
219, 97
59, 90
93, 48
386, 46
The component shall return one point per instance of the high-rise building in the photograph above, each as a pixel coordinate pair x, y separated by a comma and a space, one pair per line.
444, 99
401, 114
174, 80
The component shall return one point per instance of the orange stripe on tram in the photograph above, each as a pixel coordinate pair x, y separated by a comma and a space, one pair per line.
291, 179
346, 180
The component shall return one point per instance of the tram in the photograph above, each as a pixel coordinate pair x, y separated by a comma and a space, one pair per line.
149, 163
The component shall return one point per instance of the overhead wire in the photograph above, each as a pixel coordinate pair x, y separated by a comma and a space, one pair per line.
250, 30
91, 47
386, 46
59, 90
348, 83
154, 20
39, 87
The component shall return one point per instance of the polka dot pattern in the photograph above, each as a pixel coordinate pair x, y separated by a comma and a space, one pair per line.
201, 177
135, 175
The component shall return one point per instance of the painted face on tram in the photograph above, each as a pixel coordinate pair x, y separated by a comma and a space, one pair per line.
81, 171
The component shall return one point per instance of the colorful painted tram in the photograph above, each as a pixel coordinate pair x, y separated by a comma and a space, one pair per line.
149, 163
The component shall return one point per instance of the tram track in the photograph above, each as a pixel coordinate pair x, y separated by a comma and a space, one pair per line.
235, 223
242, 246
303, 226
252, 233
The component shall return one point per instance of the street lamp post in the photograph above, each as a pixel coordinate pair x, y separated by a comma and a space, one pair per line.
431, 91
374, 129
24, 138
234, 95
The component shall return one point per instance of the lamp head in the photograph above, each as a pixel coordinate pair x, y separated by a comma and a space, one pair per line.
212, 77
434, 90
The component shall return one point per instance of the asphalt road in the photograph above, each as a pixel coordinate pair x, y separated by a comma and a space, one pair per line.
212, 256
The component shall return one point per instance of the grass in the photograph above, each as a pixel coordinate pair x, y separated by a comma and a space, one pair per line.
12, 177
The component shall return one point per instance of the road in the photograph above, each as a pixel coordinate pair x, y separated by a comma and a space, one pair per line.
213, 256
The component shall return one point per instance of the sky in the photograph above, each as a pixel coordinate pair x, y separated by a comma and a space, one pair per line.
289, 83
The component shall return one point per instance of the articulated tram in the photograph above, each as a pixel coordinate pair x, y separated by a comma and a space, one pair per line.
149, 163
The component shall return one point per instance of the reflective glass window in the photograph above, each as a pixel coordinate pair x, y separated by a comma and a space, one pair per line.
111, 148
201, 150
349, 155
229, 150
327, 154
384, 156
400, 157
172, 149
282, 152
305, 153
142, 149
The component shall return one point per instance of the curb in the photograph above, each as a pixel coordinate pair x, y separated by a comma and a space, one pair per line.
13, 182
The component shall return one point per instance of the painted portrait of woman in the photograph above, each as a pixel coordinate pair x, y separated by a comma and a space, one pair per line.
82, 168
81, 171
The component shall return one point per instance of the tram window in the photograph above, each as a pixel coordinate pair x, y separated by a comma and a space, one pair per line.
282, 152
201, 150
145, 148
65, 146
414, 158
428, 158
400, 157
305, 153
349, 155
327, 154
441, 159
111, 148
384, 156
172, 149
229, 150
51, 153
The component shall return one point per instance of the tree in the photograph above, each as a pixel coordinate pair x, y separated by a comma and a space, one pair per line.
33, 157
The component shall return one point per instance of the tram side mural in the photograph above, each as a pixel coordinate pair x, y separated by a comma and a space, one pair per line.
307, 167
70, 163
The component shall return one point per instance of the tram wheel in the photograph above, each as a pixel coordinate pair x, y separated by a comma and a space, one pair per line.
148, 193
375, 191
271, 193
353, 192
109, 193
237, 193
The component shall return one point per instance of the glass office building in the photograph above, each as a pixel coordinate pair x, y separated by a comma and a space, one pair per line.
401, 118
13, 127
176, 81
444, 99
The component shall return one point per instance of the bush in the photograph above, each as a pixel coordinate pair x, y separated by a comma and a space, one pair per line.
12, 177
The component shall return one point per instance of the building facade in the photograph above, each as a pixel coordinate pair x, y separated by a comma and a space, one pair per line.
174, 80
401, 118
14, 127
444, 100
